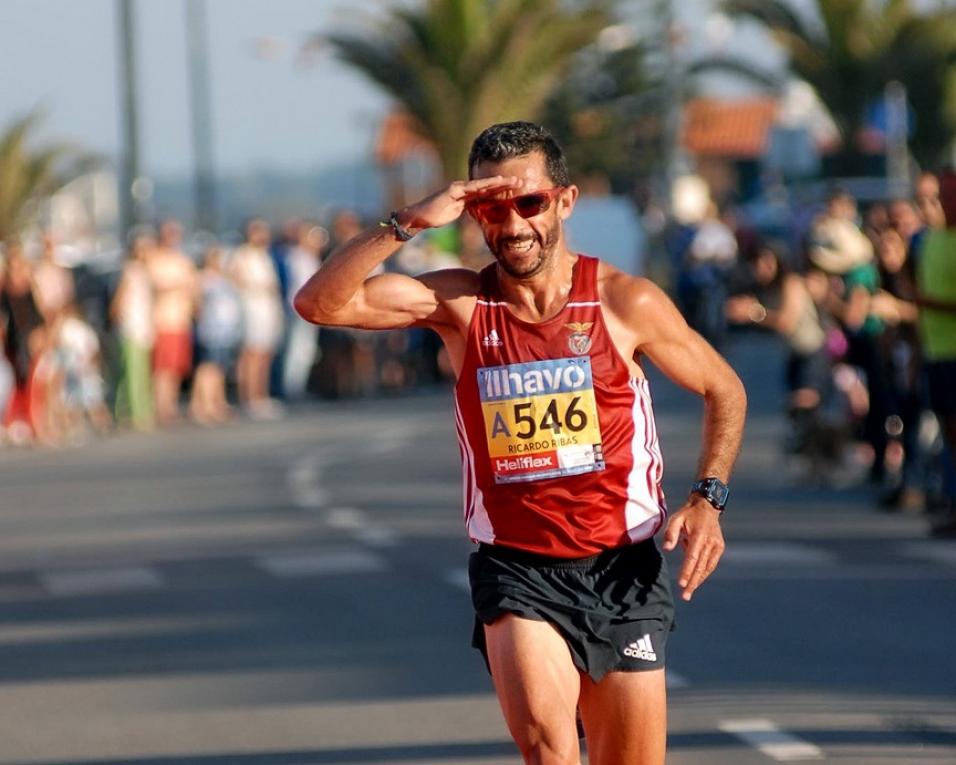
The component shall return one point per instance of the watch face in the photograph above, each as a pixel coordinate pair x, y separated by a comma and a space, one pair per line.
714, 491
719, 493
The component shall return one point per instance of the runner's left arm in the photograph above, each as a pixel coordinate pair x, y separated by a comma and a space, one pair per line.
687, 359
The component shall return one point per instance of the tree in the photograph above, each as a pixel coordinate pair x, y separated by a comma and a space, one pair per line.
458, 66
605, 114
852, 51
29, 176
925, 62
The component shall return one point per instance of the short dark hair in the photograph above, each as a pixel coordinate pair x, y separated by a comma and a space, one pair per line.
508, 140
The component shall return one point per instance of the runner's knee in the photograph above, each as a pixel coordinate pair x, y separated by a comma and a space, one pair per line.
546, 745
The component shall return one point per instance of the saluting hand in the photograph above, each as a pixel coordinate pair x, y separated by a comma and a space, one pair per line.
448, 204
696, 526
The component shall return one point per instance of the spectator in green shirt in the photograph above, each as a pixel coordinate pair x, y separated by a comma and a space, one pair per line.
936, 283
838, 247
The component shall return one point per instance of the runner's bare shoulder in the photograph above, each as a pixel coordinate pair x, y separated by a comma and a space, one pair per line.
631, 300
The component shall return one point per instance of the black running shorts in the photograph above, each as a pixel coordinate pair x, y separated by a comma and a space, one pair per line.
613, 609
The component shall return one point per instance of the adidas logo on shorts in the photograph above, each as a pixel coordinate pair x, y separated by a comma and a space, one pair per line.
641, 649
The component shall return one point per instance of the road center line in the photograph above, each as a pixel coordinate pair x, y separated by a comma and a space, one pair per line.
303, 480
101, 581
777, 553
767, 736
672, 680
296, 563
358, 524
935, 552
458, 577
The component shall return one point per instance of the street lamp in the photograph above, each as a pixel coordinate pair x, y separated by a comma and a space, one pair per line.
200, 112
129, 214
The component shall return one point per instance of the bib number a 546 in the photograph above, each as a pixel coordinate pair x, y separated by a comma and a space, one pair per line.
541, 419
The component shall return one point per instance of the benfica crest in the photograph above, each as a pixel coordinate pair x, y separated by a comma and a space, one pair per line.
579, 341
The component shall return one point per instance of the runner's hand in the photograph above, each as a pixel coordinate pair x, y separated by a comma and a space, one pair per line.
696, 526
446, 205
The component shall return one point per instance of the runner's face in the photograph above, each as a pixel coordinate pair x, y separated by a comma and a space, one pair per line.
524, 247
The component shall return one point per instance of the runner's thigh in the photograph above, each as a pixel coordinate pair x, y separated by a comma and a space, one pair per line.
625, 718
537, 686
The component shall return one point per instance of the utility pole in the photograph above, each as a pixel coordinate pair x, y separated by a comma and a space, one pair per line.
674, 78
664, 44
205, 186
897, 132
129, 213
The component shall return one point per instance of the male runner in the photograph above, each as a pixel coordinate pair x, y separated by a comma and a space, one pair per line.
561, 461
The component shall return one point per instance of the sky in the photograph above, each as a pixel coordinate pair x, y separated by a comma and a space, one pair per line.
269, 111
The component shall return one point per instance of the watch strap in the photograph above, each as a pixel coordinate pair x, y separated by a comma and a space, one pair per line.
714, 491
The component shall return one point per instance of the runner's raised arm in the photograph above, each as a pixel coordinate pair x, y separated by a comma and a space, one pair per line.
341, 293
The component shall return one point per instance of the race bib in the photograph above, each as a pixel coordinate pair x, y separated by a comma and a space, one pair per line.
541, 419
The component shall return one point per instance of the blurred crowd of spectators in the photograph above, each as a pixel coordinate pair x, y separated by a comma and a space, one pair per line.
866, 304
199, 330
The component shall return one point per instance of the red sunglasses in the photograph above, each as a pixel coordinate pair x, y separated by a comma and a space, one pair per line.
527, 205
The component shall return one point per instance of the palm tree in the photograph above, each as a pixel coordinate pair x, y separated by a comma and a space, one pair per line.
28, 176
603, 116
925, 62
458, 66
852, 51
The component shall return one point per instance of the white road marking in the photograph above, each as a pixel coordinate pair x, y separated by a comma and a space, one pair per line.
458, 577
110, 629
348, 518
377, 536
295, 563
673, 681
303, 472
388, 441
358, 524
767, 736
847, 572
936, 552
780, 553
101, 581
303, 481
309, 498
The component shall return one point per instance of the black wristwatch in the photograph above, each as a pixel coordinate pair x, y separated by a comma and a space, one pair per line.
714, 491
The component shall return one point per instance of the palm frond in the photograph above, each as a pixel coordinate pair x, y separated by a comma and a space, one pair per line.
772, 14
460, 65
28, 176
858, 47
737, 66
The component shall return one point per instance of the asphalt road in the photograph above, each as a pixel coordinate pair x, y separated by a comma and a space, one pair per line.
292, 593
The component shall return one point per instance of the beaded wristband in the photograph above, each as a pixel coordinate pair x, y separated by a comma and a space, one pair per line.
402, 234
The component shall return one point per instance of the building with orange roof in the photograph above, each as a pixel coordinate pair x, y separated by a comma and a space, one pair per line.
728, 141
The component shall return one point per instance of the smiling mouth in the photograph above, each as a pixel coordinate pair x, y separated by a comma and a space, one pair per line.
520, 258
518, 246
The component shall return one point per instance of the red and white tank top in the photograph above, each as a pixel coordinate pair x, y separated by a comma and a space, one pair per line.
558, 443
